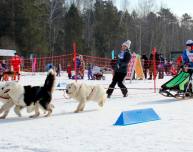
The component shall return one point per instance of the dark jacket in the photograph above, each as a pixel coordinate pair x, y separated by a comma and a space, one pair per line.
145, 62
113, 63
122, 63
157, 58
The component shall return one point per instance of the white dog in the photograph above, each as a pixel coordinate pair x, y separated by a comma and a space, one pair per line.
7, 102
83, 93
5, 99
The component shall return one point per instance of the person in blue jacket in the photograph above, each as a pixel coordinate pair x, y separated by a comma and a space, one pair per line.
187, 56
120, 69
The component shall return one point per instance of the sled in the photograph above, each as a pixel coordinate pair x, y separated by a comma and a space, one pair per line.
178, 87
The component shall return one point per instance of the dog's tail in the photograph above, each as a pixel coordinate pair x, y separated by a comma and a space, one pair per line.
50, 81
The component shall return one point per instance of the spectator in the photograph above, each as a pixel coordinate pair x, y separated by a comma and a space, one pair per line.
77, 65
58, 70
90, 74
1, 71
16, 64
82, 66
151, 68
167, 67
145, 64
161, 67
4, 65
69, 71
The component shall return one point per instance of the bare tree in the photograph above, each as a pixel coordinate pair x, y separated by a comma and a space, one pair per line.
55, 12
145, 7
88, 19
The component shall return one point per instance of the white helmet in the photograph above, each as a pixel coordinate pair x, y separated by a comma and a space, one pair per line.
189, 42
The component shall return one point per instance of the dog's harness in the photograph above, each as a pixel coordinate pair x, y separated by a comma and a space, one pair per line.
79, 87
91, 92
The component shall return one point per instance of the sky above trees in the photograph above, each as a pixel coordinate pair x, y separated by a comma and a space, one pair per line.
177, 7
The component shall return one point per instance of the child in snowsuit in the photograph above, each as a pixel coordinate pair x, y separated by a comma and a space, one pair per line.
69, 71
90, 75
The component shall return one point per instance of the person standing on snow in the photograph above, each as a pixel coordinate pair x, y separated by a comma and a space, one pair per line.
120, 70
145, 64
151, 67
58, 70
82, 66
187, 57
161, 67
69, 71
16, 65
90, 74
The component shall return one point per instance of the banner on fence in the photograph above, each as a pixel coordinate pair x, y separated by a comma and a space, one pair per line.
138, 68
131, 67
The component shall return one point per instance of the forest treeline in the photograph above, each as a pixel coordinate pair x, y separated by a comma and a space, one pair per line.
49, 27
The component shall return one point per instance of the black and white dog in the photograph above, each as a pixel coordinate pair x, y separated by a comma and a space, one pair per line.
31, 97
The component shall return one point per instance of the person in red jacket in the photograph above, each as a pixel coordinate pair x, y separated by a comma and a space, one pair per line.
15, 66
69, 71
179, 63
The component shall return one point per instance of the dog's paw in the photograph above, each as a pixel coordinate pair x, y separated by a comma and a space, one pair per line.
48, 114
101, 104
34, 116
81, 110
18, 114
76, 111
2, 117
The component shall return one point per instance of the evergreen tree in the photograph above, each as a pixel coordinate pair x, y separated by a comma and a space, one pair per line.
7, 25
73, 29
106, 27
30, 30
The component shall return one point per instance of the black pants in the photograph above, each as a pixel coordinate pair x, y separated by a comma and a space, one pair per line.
145, 72
58, 73
117, 78
69, 75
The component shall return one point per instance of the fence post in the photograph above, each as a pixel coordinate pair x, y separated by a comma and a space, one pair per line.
154, 68
75, 68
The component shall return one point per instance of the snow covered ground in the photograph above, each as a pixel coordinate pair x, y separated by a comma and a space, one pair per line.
93, 130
